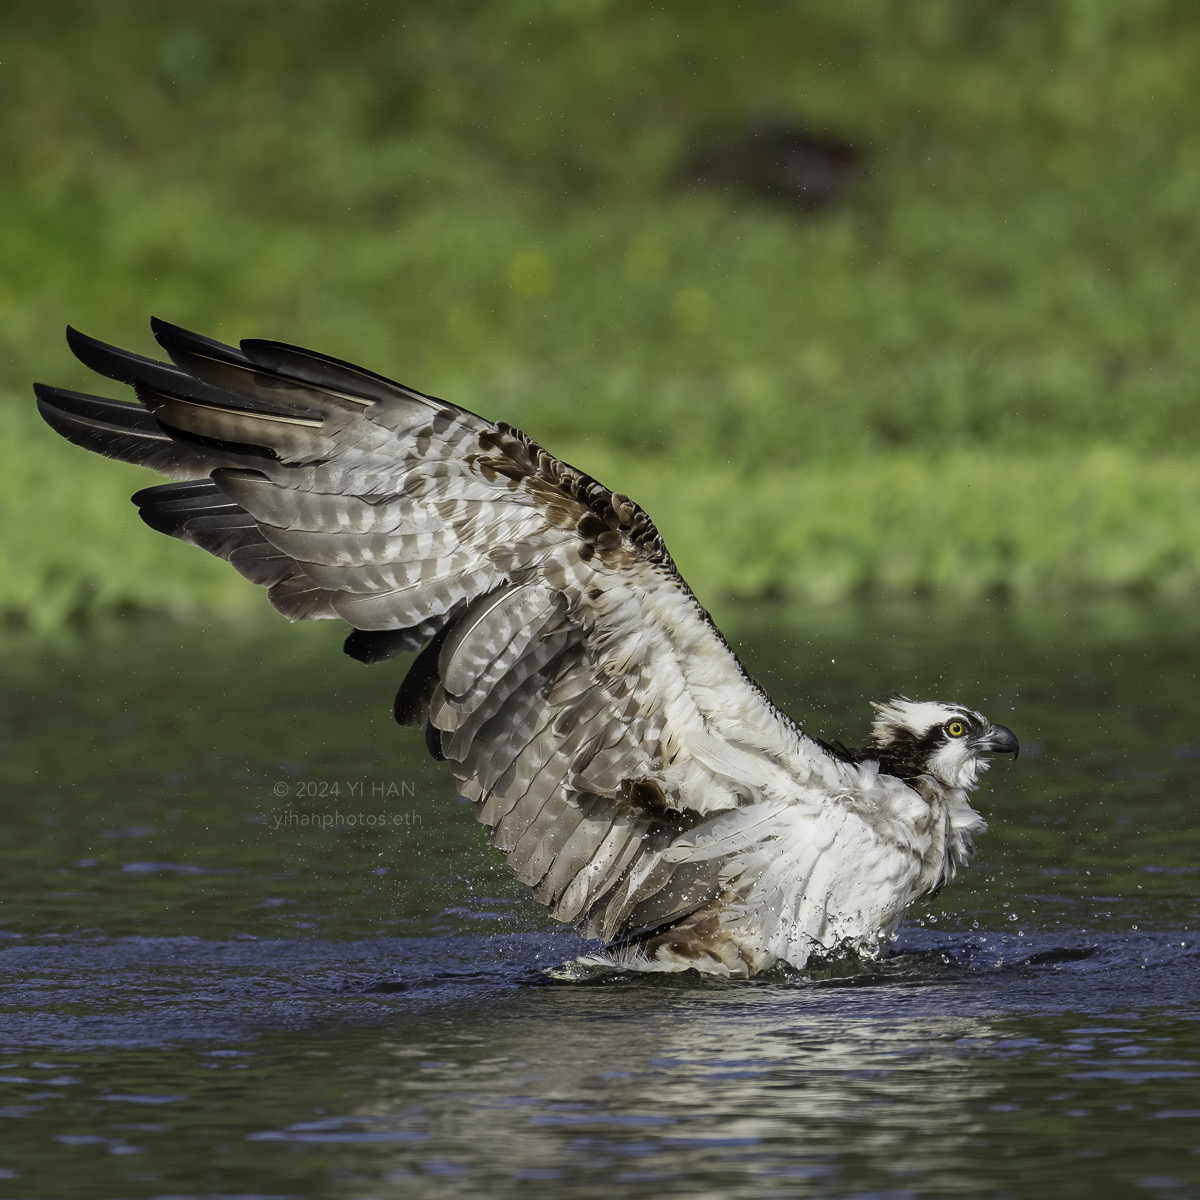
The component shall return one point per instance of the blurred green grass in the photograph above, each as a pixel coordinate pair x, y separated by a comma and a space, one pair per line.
978, 376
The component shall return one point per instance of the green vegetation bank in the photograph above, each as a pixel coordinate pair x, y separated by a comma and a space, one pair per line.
978, 375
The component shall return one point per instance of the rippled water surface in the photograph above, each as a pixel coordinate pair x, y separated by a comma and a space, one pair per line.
251, 945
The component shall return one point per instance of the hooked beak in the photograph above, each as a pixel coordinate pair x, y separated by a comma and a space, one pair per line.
999, 739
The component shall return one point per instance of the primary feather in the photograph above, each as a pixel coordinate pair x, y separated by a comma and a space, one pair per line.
630, 770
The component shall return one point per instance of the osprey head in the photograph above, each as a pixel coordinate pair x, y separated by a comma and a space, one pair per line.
944, 741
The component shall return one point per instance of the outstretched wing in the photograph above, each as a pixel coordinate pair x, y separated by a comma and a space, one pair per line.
588, 705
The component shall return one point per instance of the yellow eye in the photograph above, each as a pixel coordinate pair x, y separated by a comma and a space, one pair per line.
956, 729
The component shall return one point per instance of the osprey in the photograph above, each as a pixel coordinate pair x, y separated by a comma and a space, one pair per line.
627, 766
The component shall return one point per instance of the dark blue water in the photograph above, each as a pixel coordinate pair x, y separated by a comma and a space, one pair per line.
204, 995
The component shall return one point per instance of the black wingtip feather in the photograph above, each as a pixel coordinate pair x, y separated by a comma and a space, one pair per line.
174, 339
196, 489
116, 429
325, 371
373, 646
411, 708
433, 743
110, 361
168, 507
152, 379
59, 407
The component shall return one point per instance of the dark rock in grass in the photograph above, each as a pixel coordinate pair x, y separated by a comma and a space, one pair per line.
778, 161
